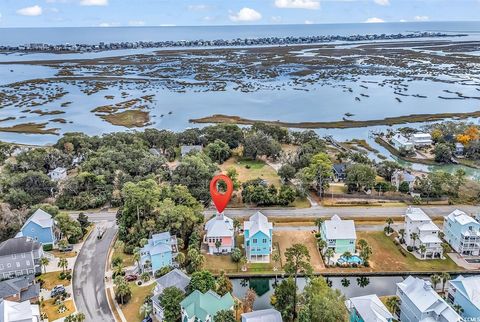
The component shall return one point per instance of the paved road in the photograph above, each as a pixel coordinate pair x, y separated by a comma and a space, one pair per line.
89, 275
319, 212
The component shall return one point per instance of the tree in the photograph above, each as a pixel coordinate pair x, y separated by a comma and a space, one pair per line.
224, 316
387, 168
393, 304
180, 259
414, 237
236, 255
218, 244
44, 261
319, 222
458, 308
286, 195
233, 175
329, 254
389, 222
224, 285
283, 299
365, 251
83, 221
26, 188
69, 228
231, 134
75, 317
287, 172
122, 289
202, 281
218, 151
360, 177
297, 261
422, 249
319, 172
443, 153
259, 144
401, 232
435, 279
347, 255
63, 264
445, 278
170, 302
404, 187
320, 303
248, 300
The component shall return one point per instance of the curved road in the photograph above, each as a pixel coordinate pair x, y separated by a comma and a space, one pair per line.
89, 275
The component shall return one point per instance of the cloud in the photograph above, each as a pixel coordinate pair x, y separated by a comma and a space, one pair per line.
308, 22
136, 23
382, 2
422, 18
298, 4
197, 7
246, 15
30, 11
374, 20
94, 2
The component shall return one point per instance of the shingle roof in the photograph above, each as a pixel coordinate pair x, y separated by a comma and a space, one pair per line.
41, 218
469, 287
219, 226
258, 222
18, 246
20, 285
201, 305
175, 278
268, 315
370, 308
336, 228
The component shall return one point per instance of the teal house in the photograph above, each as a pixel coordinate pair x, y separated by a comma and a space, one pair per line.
159, 252
40, 227
339, 234
368, 308
202, 307
258, 238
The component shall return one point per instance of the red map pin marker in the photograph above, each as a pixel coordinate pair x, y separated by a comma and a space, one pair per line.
221, 199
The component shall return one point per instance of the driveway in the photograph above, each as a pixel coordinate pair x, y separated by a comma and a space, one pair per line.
89, 275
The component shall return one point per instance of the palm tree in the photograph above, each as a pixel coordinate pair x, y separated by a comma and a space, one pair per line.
393, 303
445, 277
146, 309
458, 308
347, 255
122, 290
44, 261
435, 279
136, 256
445, 247
319, 222
345, 282
218, 244
402, 233
80, 317
118, 270
237, 305
423, 250
321, 244
329, 254
414, 237
362, 243
63, 264
389, 222
276, 260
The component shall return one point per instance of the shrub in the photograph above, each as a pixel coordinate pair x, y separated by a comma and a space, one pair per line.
162, 271
139, 283
410, 248
48, 247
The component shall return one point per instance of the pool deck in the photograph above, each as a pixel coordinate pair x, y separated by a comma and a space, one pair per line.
460, 261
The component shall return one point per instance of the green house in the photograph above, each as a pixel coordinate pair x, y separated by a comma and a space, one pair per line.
339, 234
202, 307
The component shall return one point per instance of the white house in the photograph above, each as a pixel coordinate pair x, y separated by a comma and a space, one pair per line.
368, 308
19, 311
219, 232
465, 291
421, 139
401, 142
267, 315
462, 232
420, 230
58, 174
419, 302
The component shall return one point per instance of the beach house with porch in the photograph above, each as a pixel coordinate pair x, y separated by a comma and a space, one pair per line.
420, 230
258, 238
40, 227
462, 232
368, 308
219, 235
159, 252
465, 292
202, 307
340, 235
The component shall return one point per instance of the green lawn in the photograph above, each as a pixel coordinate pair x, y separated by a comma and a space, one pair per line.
131, 310
127, 258
252, 169
50, 280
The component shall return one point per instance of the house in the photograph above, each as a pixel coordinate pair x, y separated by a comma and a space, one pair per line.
401, 142
20, 289
220, 235
400, 176
19, 312
339, 234
58, 174
462, 232
40, 227
159, 252
419, 302
186, 149
465, 292
19, 257
267, 315
175, 278
420, 230
368, 308
202, 307
258, 238
339, 172
459, 148
421, 139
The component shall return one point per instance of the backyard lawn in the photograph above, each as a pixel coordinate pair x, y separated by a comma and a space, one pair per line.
50, 280
249, 169
127, 258
131, 310
51, 310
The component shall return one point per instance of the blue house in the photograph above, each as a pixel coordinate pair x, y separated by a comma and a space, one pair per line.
368, 308
40, 227
465, 291
258, 238
159, 252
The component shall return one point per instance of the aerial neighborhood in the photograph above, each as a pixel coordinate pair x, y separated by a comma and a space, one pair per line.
225, 224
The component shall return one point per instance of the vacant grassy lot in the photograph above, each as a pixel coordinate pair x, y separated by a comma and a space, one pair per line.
131, 310
248, 170
60, 254
285, 239
127, 258
50, 280
51, 310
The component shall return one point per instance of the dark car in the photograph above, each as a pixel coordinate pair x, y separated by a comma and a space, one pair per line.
131, 277
67, 248
58, 290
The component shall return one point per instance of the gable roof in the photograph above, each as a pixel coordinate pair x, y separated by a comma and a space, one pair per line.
461, 217
469, 287
201, 305
41, 218
336, 228
17, 311
258, 222
18, 245
21, 285
157, 244
175, 278
370, 308
340, 168
268, 315
219, 226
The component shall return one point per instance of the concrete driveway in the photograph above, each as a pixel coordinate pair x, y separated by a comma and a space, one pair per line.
89, 275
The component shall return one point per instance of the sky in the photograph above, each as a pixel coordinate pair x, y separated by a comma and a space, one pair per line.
112, 13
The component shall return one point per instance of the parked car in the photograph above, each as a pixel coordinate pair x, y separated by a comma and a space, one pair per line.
58, 290
67, 248
147, 319
131, 277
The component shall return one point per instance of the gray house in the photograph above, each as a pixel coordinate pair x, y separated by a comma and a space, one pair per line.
20, 289
19, 257
175, 278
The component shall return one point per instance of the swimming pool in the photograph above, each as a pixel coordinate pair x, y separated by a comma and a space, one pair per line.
352, 260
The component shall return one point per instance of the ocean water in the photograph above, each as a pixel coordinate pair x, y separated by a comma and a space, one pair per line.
94, 35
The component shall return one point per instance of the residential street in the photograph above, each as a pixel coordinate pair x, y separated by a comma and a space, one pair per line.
89, 275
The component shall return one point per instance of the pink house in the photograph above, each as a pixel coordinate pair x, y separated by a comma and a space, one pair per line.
219, 228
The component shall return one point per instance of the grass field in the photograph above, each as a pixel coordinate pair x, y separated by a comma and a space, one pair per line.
131, 310
51, 310
127, 258
286, 239
250, 169
50, 280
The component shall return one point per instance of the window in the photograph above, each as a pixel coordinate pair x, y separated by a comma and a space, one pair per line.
9, 265
14, 256
18, 264
254, 240
264, 240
